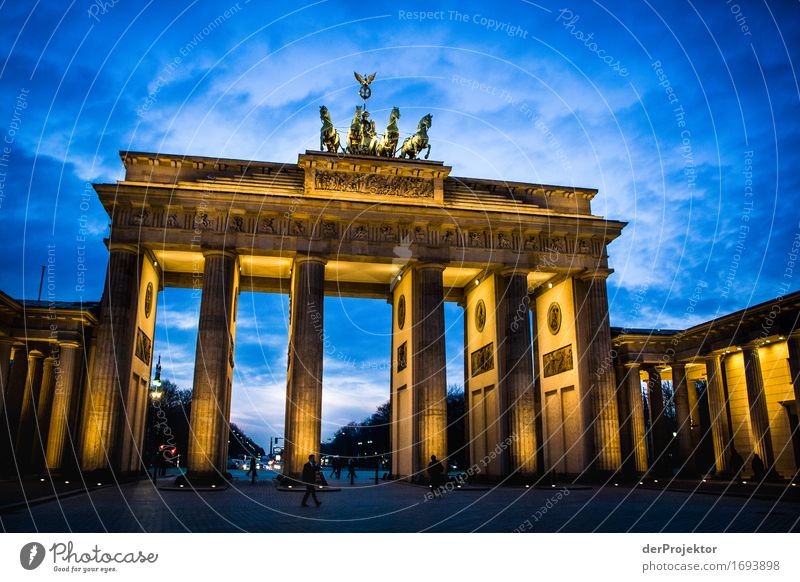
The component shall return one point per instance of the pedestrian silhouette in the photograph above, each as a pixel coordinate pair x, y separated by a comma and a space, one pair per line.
758, 468
351, 470
335, 467
737, 463
435, 474
252, 471
309, 477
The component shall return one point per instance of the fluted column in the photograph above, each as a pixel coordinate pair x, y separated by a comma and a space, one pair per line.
759, 416
602, 390
720, 431
303, 428
44, 406
208, 426
516, 371
793, 346
6, 345
63, 396
633, 385
659, 438
428, 367
110, 375
680, 392
16, 390
27, 415
537, 388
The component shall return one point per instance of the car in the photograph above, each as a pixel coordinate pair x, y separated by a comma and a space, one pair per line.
234, 463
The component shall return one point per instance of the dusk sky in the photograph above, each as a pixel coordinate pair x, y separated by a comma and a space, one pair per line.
683, 115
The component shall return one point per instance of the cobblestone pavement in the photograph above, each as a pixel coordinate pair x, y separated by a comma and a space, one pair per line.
399, 507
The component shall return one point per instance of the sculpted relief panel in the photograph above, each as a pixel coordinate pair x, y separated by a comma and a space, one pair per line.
376, 184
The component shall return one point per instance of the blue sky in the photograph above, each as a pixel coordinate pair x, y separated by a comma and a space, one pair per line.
684, 116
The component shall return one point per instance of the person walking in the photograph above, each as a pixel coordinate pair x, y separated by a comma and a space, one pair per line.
334, 467
435, 474
309, 477
252, 471
757, 465
351, 470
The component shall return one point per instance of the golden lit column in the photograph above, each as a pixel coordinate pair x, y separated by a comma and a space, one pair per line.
44, 406
659, 435
6, 345
516, 370
537, 387
759, 416
16, 389
213, 366
602, 390
428, 365
63, 397
27, 415
303, 429
720, 430
633, 384
793, 346
680, 393
111, 371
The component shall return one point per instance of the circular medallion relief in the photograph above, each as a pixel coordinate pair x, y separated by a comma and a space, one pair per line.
554, 318
480, 315
401, 312
148, 300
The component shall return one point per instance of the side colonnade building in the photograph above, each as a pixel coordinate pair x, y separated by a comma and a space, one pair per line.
733, 385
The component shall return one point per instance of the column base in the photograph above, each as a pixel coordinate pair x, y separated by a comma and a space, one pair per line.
203, 480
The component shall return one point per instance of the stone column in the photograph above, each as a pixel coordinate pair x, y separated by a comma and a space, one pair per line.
303, 430
6, 345
602, 390
637, 429
659, 433
759, 416
516, 371
793, 346
111, 371
44, 407
27, 415
428, 365
208, 425
10, 426
69, 359
537, 388
680, 392
720, 431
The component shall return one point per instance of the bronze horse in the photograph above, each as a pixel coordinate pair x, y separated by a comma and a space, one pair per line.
387, 146
354, 133
328, 136
413, 145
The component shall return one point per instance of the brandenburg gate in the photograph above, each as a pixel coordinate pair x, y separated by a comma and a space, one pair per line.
363, 226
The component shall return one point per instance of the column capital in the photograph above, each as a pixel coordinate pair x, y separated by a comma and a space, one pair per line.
73, 344
595, 275
34, 354
300, 259
115, 247
422, 265
219, 252
510, 271
633, 365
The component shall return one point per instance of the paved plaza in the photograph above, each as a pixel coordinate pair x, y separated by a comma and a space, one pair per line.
400, 507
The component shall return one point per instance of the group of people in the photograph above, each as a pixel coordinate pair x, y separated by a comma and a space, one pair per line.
336, 468
757, 466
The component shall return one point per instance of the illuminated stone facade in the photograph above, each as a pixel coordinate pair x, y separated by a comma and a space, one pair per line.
548, 390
